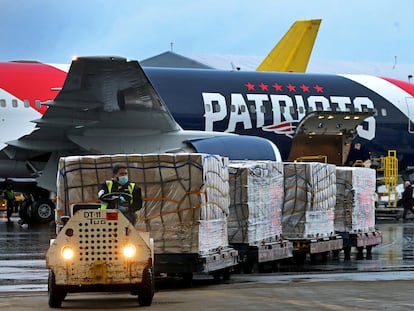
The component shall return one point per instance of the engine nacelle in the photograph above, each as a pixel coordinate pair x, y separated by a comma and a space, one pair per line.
238, 147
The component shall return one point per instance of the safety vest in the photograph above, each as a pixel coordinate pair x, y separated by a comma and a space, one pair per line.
109, 184
9, 195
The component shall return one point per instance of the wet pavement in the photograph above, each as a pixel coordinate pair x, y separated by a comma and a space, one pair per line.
22, 259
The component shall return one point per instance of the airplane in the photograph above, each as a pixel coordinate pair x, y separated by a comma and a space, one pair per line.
292, 52
113, 105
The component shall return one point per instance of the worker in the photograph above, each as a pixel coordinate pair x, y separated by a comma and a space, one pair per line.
8, 194
407, 199
117, 185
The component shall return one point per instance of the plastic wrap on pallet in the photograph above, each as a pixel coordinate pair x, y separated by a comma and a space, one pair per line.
186, 195
355, 205
256, 198
309, 200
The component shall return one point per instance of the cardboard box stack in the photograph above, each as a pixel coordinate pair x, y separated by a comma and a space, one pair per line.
309, 201
256, 198
355, 206
186, 196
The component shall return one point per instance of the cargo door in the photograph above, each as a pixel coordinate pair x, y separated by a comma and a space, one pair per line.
326, 135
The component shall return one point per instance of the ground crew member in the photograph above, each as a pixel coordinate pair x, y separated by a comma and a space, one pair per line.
8, 194
121, 184
407, 200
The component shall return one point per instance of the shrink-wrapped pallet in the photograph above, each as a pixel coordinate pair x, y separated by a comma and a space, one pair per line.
256, 198
186, 196
355, 206
309, 201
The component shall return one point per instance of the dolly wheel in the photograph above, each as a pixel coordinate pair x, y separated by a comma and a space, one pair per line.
56, 293
147, 288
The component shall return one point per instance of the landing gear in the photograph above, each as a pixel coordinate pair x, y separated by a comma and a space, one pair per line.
39, 211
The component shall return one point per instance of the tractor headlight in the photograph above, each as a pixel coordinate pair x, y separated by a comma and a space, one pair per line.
67, 253
129, 251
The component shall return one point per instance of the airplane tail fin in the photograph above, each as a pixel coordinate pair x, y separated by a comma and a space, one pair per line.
293, 51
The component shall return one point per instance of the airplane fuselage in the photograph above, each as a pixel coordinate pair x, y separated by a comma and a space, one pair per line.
263, 104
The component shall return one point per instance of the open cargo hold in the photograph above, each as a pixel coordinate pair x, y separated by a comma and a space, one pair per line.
308, 209
186, 204
355, 208
254, 223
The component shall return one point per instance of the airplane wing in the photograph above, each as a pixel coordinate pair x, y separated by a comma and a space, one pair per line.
101, 97
104, 104
293, 51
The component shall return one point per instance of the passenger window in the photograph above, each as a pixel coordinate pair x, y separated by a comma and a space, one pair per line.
14, 103
383, 112
26, 103
2, 103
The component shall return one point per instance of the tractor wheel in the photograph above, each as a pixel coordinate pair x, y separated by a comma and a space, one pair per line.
147, 288
57, 293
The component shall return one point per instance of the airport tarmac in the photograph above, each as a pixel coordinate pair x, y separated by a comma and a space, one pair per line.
267, 293
384, 282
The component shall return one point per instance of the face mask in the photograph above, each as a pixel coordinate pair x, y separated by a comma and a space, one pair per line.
123, 179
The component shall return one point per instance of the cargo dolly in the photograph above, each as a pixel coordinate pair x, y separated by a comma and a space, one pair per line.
217, 263
262, 253
315, 246
361, 241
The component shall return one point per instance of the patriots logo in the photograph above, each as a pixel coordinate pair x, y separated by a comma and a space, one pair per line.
287, 128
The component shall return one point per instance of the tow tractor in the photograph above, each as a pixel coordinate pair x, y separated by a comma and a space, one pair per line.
99, 250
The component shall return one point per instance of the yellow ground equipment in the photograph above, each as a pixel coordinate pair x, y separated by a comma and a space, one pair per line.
389, 168
99, 250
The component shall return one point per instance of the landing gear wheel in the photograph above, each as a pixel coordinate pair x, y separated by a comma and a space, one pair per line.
147, 288
42, 211
57, 293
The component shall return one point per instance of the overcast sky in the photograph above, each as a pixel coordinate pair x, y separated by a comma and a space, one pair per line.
53, 31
